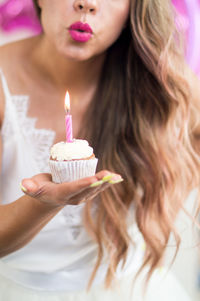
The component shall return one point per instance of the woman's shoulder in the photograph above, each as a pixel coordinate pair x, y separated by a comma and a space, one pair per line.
13, 58
14, 53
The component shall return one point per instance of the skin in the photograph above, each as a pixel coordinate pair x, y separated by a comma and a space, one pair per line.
43, 67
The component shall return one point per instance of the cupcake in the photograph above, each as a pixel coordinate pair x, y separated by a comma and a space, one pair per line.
70, 161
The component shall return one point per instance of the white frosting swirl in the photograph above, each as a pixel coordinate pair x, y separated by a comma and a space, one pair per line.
78, 149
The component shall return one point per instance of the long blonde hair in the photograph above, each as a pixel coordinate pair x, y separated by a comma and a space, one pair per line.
138, 124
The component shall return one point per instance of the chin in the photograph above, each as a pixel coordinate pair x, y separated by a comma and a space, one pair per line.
77, 55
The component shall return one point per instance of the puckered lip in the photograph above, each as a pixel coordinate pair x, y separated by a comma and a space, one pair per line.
82, 27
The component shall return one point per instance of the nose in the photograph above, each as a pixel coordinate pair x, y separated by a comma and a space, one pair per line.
85, 6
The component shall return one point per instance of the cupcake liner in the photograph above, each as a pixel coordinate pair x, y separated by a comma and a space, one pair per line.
67, 171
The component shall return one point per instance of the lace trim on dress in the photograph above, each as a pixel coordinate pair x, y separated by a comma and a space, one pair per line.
17, 122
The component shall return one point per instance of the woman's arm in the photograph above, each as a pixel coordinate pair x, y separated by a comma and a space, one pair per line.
21, 220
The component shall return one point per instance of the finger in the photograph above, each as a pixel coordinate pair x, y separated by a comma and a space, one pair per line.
68, 190
91, 193
29, 186
106, 173
41, 186
81, 184
78, 186
32, 185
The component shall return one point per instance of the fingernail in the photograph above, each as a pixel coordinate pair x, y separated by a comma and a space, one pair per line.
96, 184
107, 178
115, 181
23, 188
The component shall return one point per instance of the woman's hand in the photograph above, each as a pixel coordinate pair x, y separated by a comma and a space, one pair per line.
43, 189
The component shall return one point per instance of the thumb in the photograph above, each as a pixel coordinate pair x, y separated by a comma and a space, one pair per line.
29, 186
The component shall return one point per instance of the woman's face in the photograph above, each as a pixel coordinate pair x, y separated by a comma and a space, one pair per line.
106, 19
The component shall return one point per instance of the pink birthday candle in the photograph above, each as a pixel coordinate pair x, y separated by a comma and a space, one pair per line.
68, 119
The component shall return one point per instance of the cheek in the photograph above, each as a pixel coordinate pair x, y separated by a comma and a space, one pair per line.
53, 16
114, 23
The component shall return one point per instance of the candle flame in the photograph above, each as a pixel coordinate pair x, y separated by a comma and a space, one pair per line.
67, 102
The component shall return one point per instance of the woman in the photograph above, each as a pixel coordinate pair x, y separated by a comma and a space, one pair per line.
121, 63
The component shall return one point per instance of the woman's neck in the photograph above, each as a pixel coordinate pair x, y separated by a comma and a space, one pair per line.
63, 72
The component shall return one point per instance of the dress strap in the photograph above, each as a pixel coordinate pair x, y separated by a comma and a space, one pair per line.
4, 85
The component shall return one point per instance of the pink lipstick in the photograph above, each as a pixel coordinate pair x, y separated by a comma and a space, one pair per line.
80, 32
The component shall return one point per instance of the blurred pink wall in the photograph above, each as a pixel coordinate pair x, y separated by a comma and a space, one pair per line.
189, 20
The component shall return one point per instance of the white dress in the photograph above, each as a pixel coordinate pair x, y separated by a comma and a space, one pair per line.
57, 263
